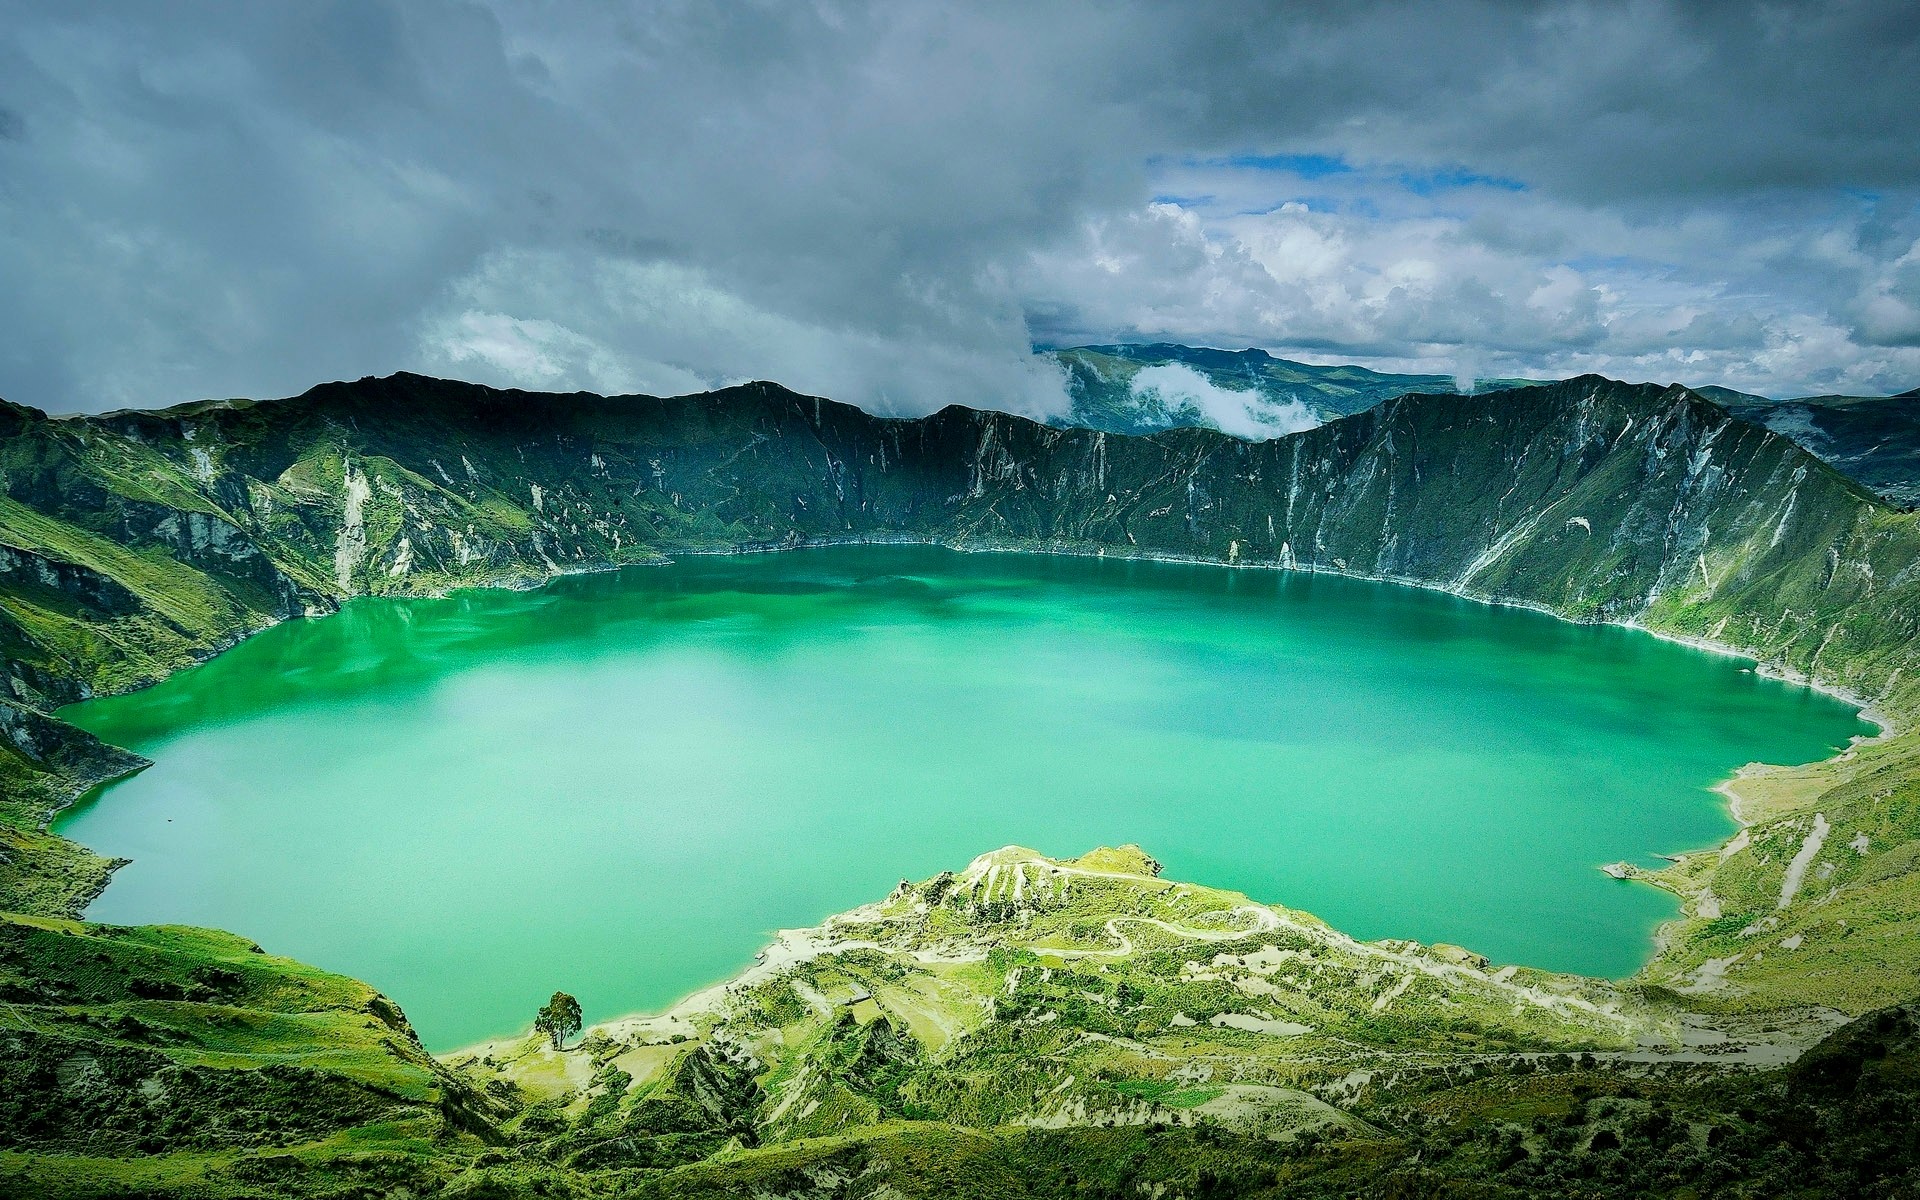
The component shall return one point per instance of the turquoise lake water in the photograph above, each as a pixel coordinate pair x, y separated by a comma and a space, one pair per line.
617, 785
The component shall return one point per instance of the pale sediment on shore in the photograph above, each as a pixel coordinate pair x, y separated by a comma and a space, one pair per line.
1740, 805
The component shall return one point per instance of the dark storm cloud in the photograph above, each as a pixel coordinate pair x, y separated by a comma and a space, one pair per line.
1601, 101
884, 202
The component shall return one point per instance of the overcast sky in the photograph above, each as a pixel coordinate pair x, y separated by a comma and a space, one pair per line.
890, 203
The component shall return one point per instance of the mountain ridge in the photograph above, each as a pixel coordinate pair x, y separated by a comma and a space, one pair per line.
1113, 388
1873, 439
390, 387
321, 423
138, 542
1253, 393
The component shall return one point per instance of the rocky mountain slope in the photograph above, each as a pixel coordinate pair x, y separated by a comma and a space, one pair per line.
134, 543
1874, 439
142, 540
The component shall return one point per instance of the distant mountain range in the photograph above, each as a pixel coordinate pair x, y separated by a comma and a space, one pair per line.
1252, 394
1248, 393
1874, 439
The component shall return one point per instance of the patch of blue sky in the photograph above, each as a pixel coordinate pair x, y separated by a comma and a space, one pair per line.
1588, 264
1426, 183
1358, 206
1329, 166
1306, 166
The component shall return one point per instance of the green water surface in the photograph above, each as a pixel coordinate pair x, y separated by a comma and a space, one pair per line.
619, 784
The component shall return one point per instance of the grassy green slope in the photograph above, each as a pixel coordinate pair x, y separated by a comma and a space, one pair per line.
43, 764
121, 1044
133, 543
140, 541
1836, 1124
1024, 990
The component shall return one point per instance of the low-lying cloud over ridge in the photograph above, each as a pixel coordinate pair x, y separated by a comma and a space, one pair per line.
1244, 413
889, 202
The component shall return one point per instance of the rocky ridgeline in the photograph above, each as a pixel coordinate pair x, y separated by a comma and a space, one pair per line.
1021, 1022
1874, 439
139, 542
185, 529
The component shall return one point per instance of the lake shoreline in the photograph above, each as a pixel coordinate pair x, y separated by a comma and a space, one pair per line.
1864, 709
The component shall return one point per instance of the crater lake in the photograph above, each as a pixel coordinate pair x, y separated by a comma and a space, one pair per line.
620, 784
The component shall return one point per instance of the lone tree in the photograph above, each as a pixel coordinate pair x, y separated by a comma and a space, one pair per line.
560, 1019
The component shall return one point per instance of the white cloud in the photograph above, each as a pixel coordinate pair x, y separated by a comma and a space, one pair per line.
541, 355
888, 200
1887, 310
1242, 413
1489, 282
663, 328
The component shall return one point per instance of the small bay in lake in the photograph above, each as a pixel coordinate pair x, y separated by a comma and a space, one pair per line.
618, 784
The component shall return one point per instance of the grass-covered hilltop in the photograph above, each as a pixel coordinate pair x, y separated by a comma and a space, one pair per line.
1019, 1026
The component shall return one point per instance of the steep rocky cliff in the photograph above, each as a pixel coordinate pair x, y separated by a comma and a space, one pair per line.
135, 543
138, 541
1874, 439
